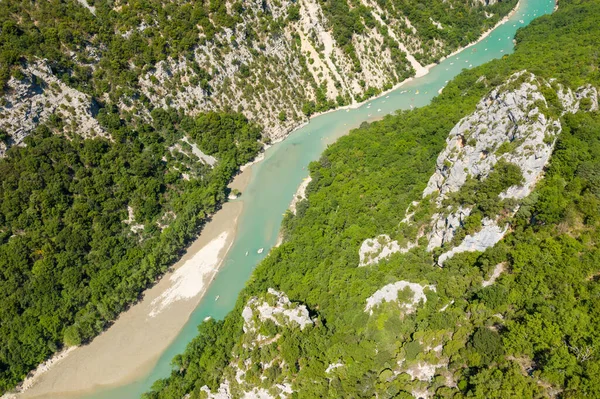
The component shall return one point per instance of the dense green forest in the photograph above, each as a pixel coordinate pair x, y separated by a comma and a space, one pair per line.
105, 53
534, 333
87, 224
69, 263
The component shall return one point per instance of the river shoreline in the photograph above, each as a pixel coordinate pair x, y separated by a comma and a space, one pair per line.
418, 74
60, 378
131, 347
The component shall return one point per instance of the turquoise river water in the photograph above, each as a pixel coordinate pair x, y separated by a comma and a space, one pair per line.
275, 180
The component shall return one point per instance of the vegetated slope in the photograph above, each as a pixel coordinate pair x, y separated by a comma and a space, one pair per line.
517, 317
274, 61
119, 131
87, 224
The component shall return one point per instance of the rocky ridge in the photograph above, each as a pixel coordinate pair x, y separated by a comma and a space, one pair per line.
514, 125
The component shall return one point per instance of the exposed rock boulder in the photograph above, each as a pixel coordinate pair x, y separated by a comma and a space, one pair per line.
485, 238
373, 250
389, 293
277, 307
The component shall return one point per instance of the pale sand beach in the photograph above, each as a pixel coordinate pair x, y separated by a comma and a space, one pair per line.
132, 345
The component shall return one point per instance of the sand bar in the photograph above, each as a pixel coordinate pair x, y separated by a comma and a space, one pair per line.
130, 348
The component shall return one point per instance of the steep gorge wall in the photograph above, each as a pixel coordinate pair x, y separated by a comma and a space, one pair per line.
278, 63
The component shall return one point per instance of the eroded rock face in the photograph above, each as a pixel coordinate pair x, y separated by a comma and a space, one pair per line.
489, 235
389, 293
509, 118
276, 307
39, 95
273, 306
510, 124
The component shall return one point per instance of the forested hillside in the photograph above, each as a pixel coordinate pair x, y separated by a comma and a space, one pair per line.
121, 123
275, 61
334, 312
87, 224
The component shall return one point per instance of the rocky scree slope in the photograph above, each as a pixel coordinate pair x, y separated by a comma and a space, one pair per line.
275, 61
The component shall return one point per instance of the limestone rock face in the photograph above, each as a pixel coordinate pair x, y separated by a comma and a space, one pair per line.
443, 228
267, 73
510, 124
277, 307
39, 95
505, 117
273, 306
487, 237
389, 293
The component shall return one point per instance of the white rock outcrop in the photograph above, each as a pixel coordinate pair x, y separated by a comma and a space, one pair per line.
505, 117
485, 238
300, 194
389, 293
509, 124
375, 249
498, 269
282, 312
39, 95
276, 307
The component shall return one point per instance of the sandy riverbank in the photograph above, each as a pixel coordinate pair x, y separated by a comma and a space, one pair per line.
132, 345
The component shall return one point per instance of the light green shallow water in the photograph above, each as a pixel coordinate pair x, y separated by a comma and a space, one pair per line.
275, 180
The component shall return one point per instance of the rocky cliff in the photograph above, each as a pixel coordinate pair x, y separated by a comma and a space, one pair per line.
275, 61
511, 133
265, 320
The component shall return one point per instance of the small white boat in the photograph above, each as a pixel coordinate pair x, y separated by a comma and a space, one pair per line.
260, 251
379, 110
470, 65
216, 298
207, 318
246, 253
387, 96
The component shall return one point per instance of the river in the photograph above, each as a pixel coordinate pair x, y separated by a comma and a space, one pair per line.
275, 180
